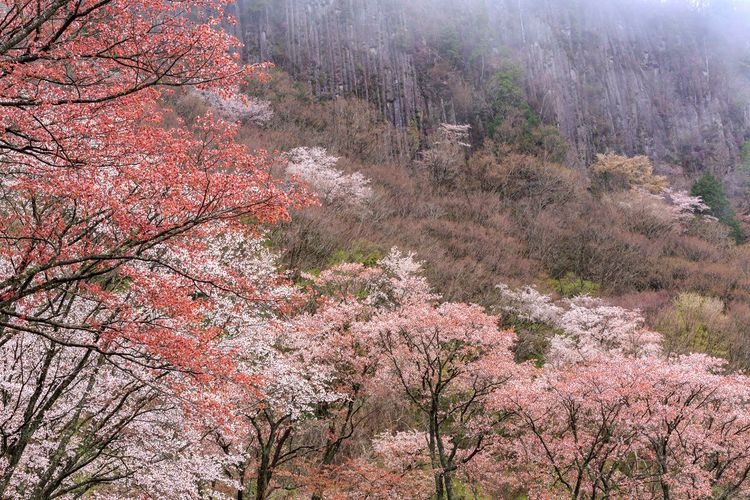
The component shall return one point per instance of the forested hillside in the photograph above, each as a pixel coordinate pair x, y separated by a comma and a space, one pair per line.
347, 249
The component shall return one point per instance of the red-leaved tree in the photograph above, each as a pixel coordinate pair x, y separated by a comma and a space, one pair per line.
114, 228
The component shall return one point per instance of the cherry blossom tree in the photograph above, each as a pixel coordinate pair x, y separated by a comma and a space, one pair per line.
317, 370
446, 359
113, 273
238, 107
684, 206
320, 371
569, 440
610, 415
643, 428
395, 281
338, 335
449, 360
73, 419
268, 428
588, 327
316, 167
528, 304
334, 337
592, 328
71, 411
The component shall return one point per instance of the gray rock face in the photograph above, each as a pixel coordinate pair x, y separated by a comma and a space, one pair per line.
633, 76
638, 78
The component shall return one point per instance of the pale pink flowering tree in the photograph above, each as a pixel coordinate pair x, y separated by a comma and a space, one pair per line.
264, 420
339, 335
382, 329
238, 107
317, 168
593, 328
684, 206
74, 420
395, 281
265, 425
402, 451
449, 360
174, 459
114, 415
334, 337
316, 369
568, 439
643, 428
407, 284
588, 327
528, 304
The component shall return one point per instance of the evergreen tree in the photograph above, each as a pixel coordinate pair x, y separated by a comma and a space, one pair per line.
710, 189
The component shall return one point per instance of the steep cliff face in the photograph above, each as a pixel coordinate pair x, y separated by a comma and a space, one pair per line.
638, 76
341, 47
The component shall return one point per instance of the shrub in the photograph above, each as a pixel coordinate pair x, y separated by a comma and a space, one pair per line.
571, 285
613, 172
695, 323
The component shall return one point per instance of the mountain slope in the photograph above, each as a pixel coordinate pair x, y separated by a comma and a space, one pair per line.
659, 78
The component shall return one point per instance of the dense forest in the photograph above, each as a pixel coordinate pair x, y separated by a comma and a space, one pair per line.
375, 249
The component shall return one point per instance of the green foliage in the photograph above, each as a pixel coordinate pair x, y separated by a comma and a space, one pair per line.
710, 189
696, 323
571, 285
746, 157
506, 95
532, 339
735, 231
464, 490
450, 45
515, 123
365, 255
